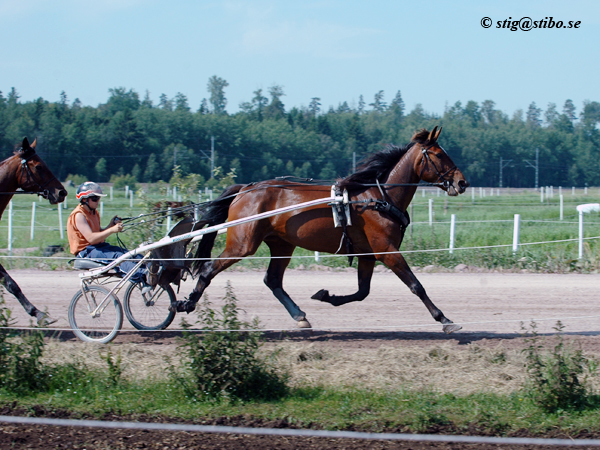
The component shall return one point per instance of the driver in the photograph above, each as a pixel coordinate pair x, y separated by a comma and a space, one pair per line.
87, 238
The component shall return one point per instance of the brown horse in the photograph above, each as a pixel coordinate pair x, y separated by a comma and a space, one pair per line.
380, 192
26, 171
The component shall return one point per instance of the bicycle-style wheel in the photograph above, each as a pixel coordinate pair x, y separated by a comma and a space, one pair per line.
149, 311
89, 325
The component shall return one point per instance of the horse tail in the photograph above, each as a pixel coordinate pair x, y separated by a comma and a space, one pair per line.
213, 213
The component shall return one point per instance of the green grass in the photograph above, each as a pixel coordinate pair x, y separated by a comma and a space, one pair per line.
339, 409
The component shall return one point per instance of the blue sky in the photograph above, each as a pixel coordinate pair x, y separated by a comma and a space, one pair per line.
436, 53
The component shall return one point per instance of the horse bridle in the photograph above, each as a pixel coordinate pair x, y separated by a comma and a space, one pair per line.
446, 183
31, 177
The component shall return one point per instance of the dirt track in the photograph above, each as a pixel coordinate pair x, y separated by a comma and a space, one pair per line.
481, 302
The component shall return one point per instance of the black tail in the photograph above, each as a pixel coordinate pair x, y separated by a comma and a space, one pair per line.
213, 213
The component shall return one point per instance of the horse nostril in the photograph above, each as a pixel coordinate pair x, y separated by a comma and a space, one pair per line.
62, 193
463, 184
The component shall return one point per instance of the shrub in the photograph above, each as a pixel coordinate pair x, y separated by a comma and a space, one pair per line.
120, 181
558, 379
222, 361
76, 179
21, 369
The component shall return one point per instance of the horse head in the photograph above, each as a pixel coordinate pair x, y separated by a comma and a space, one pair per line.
33, 175
435, 166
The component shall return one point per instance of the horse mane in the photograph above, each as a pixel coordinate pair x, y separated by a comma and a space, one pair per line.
378, 166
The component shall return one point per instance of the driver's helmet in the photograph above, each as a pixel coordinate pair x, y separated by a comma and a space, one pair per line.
89, 189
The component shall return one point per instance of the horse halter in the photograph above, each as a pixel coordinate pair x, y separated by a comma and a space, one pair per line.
31, 177
446, 183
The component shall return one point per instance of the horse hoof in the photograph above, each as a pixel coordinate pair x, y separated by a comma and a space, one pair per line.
451, 328
322, 295
45, 321
304, 324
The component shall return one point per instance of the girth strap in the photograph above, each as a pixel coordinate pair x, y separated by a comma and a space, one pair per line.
341, 217
395, 213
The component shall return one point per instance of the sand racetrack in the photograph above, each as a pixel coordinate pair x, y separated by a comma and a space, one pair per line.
481, 302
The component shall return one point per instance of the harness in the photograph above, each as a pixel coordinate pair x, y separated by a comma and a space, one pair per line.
385, 205
342, 218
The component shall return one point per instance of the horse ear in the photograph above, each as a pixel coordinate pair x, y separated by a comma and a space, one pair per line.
25, 143
438, 133
431, 137
35, 143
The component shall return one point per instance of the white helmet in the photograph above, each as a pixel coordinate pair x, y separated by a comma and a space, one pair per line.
89, 189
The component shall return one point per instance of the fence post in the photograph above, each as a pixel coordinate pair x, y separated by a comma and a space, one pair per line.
542, 194
175, 193
580, 234
588, 207
430, 211
101, 209
10, 227
516, 233
168, 219
561, 207
131, 199
452, 232
317, 258
111, 193
126, 191
473, 195
60, 223
33, 205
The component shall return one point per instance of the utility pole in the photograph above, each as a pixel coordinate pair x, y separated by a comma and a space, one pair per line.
503, 164
175, 157
211, 157
353, 162
536, 167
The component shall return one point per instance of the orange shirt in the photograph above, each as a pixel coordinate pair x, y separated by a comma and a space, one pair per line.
76, 240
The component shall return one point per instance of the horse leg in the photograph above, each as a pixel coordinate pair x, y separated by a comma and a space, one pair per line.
11, 286
398, 265
236, 248
282, 251
365, 273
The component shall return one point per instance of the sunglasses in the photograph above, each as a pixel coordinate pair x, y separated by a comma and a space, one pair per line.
94, 198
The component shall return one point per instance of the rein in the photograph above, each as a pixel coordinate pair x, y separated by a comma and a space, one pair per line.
384, 204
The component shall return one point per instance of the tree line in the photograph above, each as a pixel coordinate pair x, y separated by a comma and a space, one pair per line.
130, 136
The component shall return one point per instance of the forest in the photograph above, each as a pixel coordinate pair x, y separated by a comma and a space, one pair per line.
131, 138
